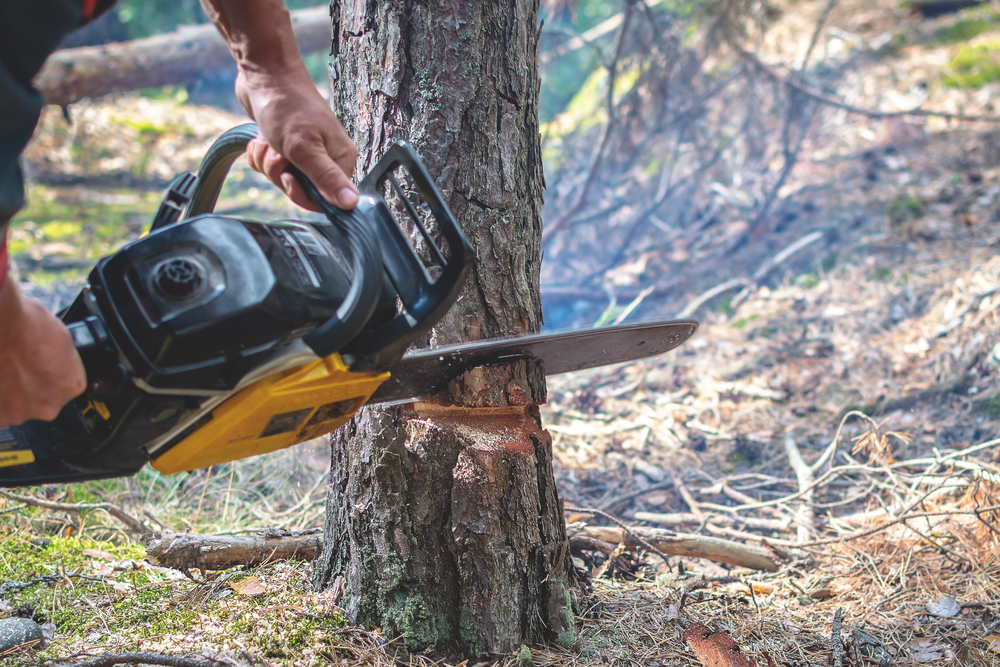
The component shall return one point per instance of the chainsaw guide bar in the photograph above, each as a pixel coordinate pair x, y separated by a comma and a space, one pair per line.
427, 372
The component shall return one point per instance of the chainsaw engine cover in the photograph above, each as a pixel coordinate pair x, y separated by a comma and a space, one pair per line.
198, 304
180, 316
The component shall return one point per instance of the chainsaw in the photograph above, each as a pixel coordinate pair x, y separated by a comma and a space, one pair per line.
214, 338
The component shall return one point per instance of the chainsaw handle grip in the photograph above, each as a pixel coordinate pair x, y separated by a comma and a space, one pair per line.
215, 167
366, 255
366, 283
425, 299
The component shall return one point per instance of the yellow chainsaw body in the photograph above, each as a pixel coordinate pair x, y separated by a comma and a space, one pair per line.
278, 411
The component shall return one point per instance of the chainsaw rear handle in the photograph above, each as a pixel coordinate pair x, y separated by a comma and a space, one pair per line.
366, 283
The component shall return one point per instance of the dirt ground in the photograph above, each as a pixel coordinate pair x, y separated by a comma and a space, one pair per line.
843, 410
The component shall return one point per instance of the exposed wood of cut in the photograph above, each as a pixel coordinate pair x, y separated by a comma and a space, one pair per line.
187, 551
175, 58
679, 544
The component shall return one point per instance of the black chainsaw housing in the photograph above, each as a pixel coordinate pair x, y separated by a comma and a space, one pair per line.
185, 313
189, 310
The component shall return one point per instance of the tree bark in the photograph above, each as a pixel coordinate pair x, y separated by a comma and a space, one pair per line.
443, 523
178, 58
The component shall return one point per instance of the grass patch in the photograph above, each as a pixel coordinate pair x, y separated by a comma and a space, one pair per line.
965, 28
743, 321
991, 406
904, 209
86, 224
807, 280
974, 66
148, 129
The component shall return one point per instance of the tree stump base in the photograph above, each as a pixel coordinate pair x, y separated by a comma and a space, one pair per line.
451, 534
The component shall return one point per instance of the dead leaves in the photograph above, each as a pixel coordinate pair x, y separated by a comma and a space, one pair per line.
250, 587
715, 649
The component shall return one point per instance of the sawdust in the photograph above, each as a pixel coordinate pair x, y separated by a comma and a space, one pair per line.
510, 430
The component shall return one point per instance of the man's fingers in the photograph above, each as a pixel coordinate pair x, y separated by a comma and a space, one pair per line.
294, 191
269, 162
256, 150
328, 176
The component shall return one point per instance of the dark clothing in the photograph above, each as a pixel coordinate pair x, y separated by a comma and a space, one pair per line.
32, 29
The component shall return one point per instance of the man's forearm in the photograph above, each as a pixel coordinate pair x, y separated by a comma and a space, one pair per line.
259, 34
273, 85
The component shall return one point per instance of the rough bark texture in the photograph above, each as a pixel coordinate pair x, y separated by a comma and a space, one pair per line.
443, 524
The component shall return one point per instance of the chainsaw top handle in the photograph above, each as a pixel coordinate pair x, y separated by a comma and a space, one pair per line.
362, 298
370, 228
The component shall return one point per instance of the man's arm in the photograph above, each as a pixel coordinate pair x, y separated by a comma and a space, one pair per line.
40, 370
277, 92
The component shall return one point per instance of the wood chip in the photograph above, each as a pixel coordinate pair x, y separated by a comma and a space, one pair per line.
715, 649
251, 587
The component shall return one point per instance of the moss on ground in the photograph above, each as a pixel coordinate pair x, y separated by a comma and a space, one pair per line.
973, 66
125, 605
967, 27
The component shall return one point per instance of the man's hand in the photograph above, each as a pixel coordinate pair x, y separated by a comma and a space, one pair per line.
274, 87
40, 370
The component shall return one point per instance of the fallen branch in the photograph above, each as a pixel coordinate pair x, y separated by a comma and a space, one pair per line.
111, 659
870, 113
133, 524
706, 296
837, 657
626, 528
177, 58
805, 514
186, 551
669, 518
677, 544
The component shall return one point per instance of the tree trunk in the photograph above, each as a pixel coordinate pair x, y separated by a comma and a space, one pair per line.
443, 523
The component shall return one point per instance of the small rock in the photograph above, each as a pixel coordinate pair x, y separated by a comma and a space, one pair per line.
17, 631
944, 607
897, 313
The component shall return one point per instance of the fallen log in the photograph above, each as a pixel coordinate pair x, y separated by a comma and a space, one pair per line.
188, 551
177, 58
674, 544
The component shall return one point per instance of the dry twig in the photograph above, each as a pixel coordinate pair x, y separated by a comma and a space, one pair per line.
142, 658
134, 525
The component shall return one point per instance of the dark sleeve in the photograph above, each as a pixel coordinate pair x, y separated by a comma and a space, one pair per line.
29, 31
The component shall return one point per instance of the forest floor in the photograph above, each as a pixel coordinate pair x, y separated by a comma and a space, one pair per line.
843, 411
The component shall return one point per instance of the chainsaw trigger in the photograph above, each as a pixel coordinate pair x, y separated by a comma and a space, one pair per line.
99, 408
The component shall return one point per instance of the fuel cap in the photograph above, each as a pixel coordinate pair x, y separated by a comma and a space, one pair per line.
179, 278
